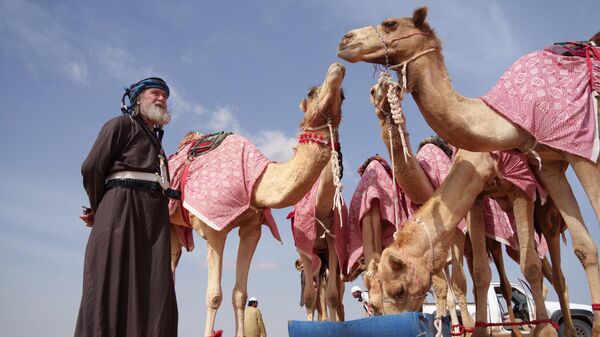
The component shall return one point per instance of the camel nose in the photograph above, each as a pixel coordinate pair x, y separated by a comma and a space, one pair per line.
348, 36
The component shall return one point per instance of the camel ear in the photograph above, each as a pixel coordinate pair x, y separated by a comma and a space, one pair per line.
303, 105
419, 16
396, 262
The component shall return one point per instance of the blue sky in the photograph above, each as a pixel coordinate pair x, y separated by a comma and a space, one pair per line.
232, 65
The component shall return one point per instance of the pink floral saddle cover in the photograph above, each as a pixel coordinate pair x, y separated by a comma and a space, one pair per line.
219, 182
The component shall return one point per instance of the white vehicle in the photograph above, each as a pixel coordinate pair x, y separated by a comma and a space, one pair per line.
524, 309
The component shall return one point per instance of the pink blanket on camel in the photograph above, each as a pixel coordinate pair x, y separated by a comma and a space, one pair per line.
549, 95
375, 184
219, 184
304, 229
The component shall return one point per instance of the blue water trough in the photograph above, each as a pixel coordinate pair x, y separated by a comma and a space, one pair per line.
409, 324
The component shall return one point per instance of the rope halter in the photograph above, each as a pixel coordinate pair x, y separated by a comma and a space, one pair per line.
335, 161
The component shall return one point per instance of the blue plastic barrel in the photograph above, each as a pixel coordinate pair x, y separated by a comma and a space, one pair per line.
409, 324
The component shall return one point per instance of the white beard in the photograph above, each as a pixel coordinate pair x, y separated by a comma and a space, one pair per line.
155, 114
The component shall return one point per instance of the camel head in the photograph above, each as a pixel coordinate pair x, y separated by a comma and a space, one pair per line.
403, 37
398, 283
324, 102
379, 97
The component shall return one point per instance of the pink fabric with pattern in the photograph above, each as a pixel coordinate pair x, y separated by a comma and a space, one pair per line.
220, 182
513, 167
304, 229
549, 96
375, 184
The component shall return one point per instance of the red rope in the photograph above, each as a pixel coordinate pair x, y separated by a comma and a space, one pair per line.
461, 330
534, 322
596, 306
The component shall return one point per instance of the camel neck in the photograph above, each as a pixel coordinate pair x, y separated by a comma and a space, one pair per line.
464, 122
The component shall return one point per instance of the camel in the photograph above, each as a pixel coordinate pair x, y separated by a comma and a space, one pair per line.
416, 183
320, 238
410, 44
276, 185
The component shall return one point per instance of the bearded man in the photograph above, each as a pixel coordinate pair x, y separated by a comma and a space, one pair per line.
127, 283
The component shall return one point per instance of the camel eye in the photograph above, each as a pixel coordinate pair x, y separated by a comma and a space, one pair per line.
389, 24
399, 293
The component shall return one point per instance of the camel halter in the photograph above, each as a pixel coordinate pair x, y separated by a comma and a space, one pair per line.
419, 221
394, 97
335, 161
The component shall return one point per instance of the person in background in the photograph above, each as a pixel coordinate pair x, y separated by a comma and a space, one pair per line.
253, 322
363, 297
127, 282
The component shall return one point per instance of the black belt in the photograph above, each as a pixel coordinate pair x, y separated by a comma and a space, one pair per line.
151, 186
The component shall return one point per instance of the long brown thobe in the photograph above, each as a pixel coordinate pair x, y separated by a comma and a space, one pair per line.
127, 284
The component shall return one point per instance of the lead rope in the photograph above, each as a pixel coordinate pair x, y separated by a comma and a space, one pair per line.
335, 168
394, 188
335, 162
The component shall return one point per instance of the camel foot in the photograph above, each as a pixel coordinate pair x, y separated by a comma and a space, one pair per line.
217, 333
545, 330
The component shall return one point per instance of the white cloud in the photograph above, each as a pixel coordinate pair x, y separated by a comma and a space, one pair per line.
179, 105
223, 119
275, 145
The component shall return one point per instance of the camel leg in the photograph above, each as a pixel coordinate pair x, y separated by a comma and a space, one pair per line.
588, 174
459, 282
451, 300
341, 314
495, 248
440, 288
249, 233
321, 303
554, 179
530, 262
371, 232
331, 292
550, 222
215, 241
175, 250
560, 285
481, 272
310, 295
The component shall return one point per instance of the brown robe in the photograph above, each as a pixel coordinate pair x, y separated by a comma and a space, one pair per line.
127, 283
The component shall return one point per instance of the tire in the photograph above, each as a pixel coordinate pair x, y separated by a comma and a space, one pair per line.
582, 329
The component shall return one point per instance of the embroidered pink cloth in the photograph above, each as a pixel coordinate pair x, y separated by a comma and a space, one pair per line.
500, 226
304, 229
375, 184
549, 96
220, 183
513, 167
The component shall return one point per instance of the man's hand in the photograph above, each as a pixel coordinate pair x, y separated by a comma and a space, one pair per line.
87, 216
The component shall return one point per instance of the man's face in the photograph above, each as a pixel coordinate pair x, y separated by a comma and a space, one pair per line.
153, 105
356, 294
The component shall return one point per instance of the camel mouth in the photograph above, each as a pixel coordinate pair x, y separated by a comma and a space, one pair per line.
336, 70
348, 52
